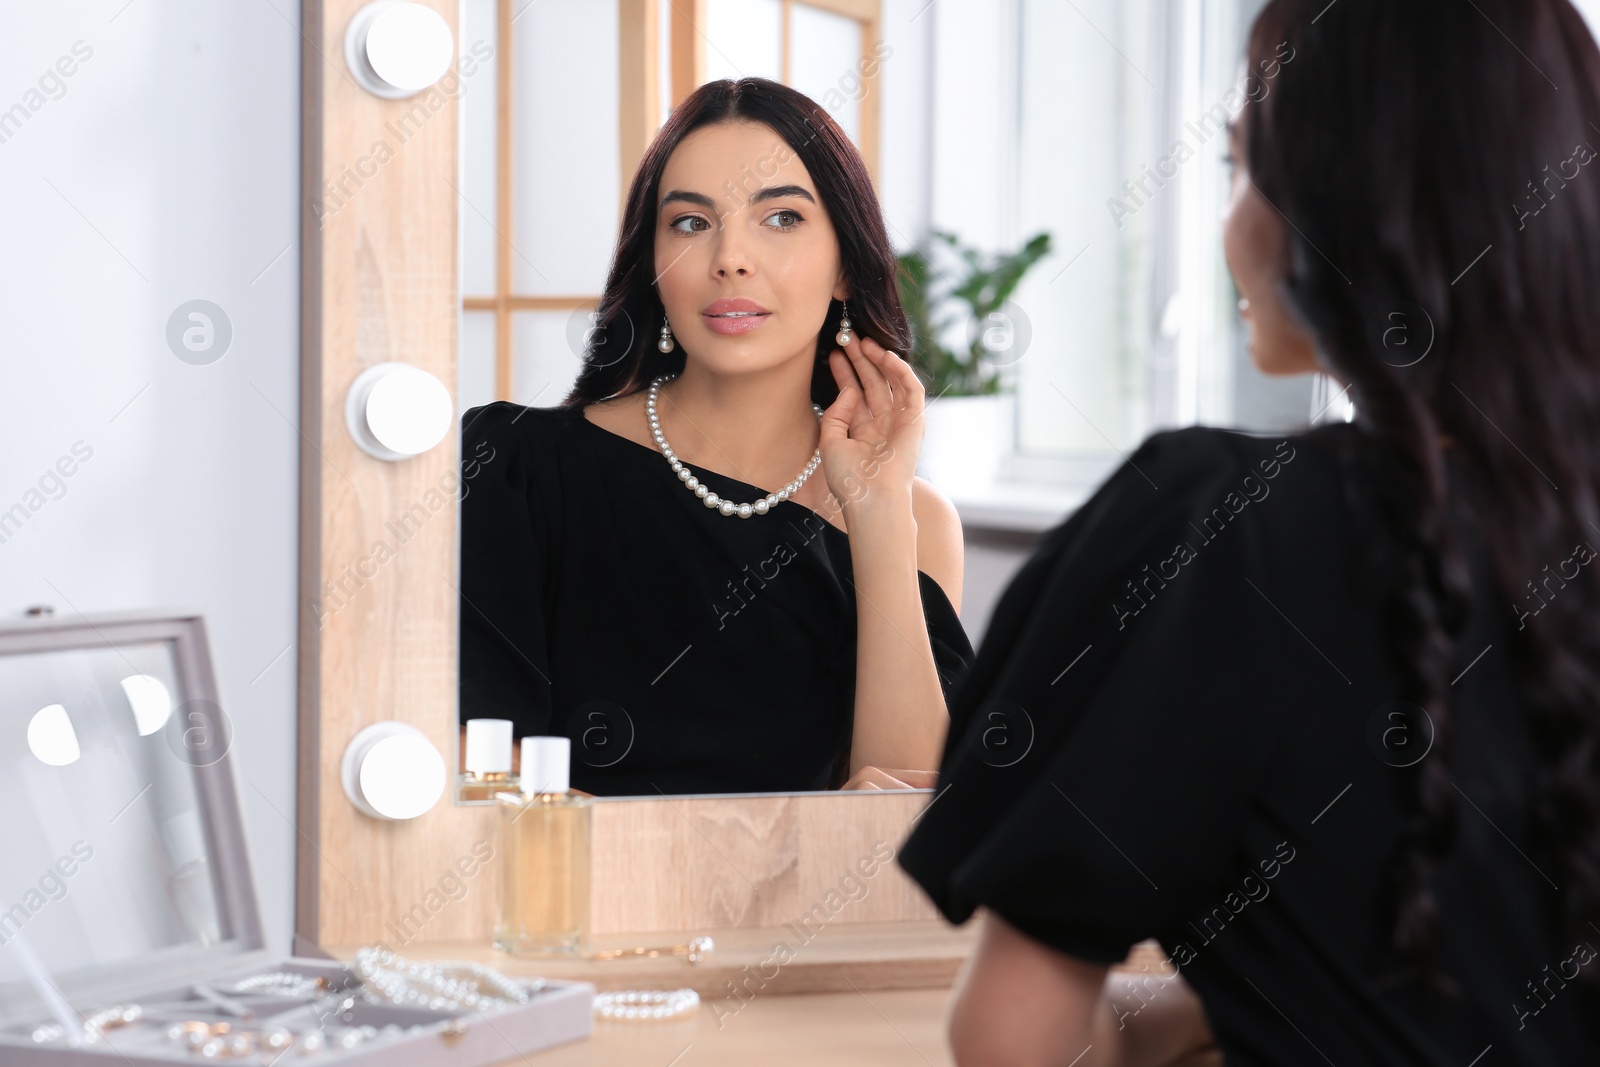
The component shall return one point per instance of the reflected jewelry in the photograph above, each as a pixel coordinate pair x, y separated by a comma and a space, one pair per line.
221, 1041
223, 1003
282, 983
49, 1032
697, 949
710, 499
844, 336
218, 1040
446, 986
636, 1004
666, 344
95, 1026
353, 1037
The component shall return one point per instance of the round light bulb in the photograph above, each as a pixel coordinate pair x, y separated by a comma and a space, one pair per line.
409, 46
396, 48
395, 411
392, 771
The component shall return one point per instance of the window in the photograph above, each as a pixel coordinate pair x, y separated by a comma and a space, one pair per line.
552, 134
1119, 107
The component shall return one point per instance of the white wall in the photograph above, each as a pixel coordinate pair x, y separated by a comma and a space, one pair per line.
164, 169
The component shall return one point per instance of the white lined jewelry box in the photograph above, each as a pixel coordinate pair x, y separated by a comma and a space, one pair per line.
126, 875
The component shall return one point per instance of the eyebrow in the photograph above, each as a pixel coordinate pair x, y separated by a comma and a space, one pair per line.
771, 192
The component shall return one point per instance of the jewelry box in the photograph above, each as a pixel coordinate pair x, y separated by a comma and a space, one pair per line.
129, 930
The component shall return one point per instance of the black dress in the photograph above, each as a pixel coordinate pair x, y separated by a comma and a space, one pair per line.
1182, 725
682, 650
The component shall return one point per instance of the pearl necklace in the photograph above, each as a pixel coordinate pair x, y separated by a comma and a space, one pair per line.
391, 979
694, 485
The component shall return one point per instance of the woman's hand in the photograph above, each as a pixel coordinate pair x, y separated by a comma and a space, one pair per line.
872, 434
870, 777
1018, 1000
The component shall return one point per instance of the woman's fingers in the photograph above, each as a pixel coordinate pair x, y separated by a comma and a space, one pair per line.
870, 777
844, 371
874, 385
901, 378
913, 779
888, 392
908, 388
842, 414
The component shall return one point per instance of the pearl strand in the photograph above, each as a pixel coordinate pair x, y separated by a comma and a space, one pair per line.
391, 979
699, 489
633, 1004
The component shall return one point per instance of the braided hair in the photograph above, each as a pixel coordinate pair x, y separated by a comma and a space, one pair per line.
1463, 215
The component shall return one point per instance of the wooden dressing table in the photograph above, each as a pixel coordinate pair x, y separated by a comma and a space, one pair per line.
869, 994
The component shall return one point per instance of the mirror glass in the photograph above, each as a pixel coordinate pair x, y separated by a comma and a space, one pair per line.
1074, 149
104, 838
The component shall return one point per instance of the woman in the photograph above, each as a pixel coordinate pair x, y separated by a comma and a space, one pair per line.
1320, 714
651, 567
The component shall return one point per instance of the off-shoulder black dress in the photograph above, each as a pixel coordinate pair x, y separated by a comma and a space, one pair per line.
683, 651
1185, 723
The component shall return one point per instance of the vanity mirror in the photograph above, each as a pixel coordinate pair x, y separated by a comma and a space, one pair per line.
382, 547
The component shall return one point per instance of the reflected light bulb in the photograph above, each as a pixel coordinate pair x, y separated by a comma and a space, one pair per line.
151, 702
51, 737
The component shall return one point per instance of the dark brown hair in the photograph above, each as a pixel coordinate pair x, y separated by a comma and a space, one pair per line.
621, 356
1415, 153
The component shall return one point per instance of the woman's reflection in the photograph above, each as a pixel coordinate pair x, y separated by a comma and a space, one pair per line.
654, 567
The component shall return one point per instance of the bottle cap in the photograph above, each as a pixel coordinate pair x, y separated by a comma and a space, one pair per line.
489, 746
546, 763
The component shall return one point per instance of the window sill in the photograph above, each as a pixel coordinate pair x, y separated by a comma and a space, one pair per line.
1033, 492
1017, 507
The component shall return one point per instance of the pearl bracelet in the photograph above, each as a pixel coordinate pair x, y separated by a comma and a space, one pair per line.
646, 1004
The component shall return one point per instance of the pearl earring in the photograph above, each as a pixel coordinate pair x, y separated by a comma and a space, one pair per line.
844, 337
666, 344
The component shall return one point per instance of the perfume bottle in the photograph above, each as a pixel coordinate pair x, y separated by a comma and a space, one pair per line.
544, 894
488, 761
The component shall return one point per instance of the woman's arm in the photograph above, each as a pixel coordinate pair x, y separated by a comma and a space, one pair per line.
1018, 1003
900, 714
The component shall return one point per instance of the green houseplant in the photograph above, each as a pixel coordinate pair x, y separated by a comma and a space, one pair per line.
934, 302
969, 418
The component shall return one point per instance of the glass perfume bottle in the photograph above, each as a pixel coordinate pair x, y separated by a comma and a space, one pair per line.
544, 894
488, 762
